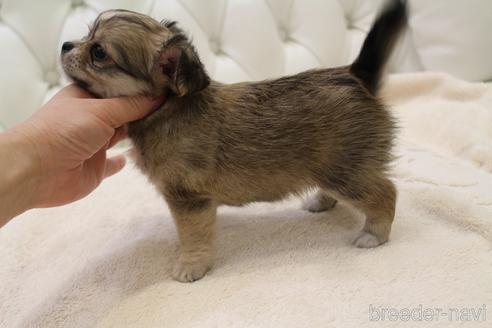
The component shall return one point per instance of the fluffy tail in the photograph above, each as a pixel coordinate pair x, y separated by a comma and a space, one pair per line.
379, 43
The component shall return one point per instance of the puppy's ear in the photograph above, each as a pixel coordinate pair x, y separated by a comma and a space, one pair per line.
181, 67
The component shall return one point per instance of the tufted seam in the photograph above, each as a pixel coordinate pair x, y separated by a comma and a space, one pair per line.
47, 70
287, 18
308, 48
289, 12
88, 5
217, 37
152, 6
270, 10
411, 39
288, 37
238, 63
347, 15
222, 23
24, 41
190, 12
355, 28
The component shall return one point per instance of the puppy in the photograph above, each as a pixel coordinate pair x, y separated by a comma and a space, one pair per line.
214, 144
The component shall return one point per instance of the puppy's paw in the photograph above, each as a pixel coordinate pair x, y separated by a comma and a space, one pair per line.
367, 240
319, 203
188, 271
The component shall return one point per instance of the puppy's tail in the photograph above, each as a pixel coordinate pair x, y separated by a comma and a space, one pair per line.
379, 43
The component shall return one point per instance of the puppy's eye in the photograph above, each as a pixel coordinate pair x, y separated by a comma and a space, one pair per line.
98, 52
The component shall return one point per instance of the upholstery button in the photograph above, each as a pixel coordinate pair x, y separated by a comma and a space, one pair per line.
77, 3
52, 78
215, 46
349, 22
283, 33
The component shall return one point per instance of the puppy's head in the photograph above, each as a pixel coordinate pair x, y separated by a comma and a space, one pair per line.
127, 53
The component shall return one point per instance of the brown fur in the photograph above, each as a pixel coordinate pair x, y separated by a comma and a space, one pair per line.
213, 144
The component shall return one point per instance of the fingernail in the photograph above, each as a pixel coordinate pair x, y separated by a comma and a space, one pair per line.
157, 101
157, 98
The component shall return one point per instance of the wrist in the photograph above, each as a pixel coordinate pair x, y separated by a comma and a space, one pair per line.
19, 167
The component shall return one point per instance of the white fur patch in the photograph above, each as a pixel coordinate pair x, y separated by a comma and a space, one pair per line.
118, 85
366, 240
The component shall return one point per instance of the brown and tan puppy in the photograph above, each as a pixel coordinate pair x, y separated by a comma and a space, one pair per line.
213, 144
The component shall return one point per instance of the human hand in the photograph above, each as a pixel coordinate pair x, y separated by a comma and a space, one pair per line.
67, 140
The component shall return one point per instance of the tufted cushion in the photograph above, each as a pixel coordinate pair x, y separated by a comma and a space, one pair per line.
237, 39
465, 48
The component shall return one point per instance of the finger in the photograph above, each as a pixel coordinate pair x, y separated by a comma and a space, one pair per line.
131, 153
114, 165
93, 171
120, 134
118, 111
72, 91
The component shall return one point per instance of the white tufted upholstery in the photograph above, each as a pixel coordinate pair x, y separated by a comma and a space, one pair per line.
237, 39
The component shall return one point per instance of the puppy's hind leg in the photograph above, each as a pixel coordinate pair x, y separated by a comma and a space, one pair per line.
379, 208
375, 196
194, 216
319, 202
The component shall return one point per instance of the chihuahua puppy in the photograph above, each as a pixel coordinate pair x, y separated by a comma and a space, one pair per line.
215, 144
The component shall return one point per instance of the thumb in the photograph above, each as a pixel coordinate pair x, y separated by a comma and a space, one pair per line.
118, 111
114, 165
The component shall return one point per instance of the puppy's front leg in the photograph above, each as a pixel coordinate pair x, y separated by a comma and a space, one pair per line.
194, 216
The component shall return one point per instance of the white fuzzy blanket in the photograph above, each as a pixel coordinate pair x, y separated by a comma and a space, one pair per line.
105, 261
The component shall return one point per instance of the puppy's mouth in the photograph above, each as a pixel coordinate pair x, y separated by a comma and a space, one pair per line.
84, 85
81, 83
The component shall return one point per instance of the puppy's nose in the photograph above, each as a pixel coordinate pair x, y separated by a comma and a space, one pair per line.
67, 46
